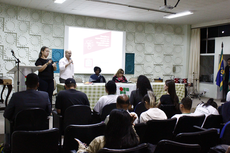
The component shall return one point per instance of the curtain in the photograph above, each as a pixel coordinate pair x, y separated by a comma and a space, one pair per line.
194, 59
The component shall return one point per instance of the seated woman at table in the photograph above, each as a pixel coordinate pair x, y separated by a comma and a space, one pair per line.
143, 85
119, 77
170, 98
152, 113
97, 78
119, 134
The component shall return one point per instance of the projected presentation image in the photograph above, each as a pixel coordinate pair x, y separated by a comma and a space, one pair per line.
93, 47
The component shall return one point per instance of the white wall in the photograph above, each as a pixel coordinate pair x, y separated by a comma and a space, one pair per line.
157, 47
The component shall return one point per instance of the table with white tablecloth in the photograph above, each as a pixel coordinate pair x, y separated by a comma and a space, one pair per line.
96, 90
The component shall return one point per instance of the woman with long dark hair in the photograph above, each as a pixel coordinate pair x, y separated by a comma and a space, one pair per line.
45, 73
119, 134
143, 85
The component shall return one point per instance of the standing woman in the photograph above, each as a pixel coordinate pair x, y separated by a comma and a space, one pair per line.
119, 77
47, 66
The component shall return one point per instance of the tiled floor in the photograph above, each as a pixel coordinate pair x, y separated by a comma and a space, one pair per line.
195, 102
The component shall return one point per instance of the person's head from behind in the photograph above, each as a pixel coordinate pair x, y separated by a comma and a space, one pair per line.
68, 54
143, 84
185, 105
211, 102
119, 132
70, 83
97, 70
123, 102
150, 100
111, 87
120, 73
32, 81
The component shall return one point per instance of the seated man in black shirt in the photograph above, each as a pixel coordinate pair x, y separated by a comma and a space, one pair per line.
69, 97
31, 98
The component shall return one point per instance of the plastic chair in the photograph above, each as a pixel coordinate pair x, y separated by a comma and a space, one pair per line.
206, 139
225, 134
85, 133
140, 108
43, 141
186, 123
168, 146
169, 110
142, 148
213, 121
159, 129
107, 109
140, 130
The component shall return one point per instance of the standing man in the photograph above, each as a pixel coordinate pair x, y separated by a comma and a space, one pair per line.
226, 78
66, 67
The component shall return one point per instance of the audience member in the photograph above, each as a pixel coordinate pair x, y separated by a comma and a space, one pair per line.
119, 77
228, 94
143, 85
152, 113
123, 103
31, 98
224, 110
45, 73
69, 97
208, 108
226, 79
66, 67
97, 77
185, 108
110, 88
119, 134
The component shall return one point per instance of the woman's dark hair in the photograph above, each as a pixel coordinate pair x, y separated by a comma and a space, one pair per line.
210, 102
172, 92
119, 133
143, 85
42, 49
96, 68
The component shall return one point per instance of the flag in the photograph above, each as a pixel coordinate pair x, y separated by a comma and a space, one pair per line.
221, 72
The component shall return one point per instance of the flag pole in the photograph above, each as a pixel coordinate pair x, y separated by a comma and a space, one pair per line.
224, 98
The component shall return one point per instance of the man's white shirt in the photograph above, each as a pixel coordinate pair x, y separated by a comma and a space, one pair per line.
66, 72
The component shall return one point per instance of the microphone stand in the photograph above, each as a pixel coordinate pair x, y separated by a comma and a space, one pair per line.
17, 61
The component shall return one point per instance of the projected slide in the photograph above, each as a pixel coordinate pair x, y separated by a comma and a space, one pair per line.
93, 47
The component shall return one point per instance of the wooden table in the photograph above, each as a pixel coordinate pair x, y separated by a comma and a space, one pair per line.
5, 82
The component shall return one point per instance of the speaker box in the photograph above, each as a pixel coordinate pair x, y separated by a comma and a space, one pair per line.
129, 63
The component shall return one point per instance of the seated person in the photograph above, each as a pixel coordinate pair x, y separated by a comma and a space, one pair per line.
228, 94
69, 97
185, 108
110, 88
208, 108
170, 98
97, 78
119, 77
119, 134
31, 98
224, 111
152, 113
123, 103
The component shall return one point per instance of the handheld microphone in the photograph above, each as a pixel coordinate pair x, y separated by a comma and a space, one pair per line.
12, 52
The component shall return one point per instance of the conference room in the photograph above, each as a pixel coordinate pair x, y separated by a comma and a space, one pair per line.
139, 37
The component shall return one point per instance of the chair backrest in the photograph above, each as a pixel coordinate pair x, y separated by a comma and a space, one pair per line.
224, 111
107, 109
206, 139
142, 148
85, 133
140, 108
225, 134
140, 130
35, 141
77, 114
169, 110
186, 123
213, 121
31, 119
166, 146
159, 129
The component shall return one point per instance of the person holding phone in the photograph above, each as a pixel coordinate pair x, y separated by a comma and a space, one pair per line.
45, 73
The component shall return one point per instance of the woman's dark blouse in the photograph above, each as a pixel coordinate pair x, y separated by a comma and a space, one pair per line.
166, 100
46, 74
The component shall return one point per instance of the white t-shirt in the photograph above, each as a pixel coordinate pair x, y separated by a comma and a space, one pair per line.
228, 96
152, 114
104, 100
203, 110
66, 72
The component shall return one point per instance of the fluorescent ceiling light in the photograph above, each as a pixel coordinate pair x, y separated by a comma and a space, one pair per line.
59, 1
178, 14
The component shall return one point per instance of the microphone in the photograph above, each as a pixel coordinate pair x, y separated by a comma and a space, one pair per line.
12, 52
